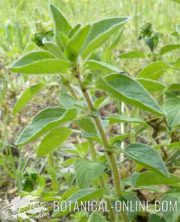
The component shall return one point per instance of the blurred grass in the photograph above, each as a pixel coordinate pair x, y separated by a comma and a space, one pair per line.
17, 16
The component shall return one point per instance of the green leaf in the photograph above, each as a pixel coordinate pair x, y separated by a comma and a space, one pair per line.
95, 217
172, 110
44, 121
75, 45
146, 156
102, 67
60, 22
154, 70
31, 57
173, 87
156, 218
130, 91
133, 55
88, 127
26, 96
171, 214
101, 32
74, 30
54, 50
169, 48
54, 139
151, 85
87, 172
85, 194
80, 196
115, 118
145, 179
68, 101
44, 66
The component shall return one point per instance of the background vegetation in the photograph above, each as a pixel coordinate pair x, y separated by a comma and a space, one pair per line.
20, 20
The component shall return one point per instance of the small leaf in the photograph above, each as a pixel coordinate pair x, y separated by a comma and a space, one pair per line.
146, 156
154, 70
60, 22
115, 118
133, 55
53, 49
145, 179
87, 172
95, 217
74, 30
130, 91
85, 194
169, 48
44, 121
79, 197
68, 101
26, 96
151, 85
102, 67
172, 110
76, 43
54, 139
101, 32
88, 127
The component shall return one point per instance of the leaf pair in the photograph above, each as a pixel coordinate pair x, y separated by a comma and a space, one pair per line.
84, 40
73, 42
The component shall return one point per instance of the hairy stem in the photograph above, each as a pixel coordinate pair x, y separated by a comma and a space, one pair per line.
93, 154
105, 141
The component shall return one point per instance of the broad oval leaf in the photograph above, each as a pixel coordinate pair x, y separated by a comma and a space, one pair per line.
87, 172
26, 96
130, 91
172, 110
44, 121
133, 55
153, 70
145, 179
60, 22
44, 66
169, 48
54, 139
102, 67
151, 85
88, 127
101, 31
147, 156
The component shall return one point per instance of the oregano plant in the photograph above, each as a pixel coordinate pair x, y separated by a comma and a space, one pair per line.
103, 169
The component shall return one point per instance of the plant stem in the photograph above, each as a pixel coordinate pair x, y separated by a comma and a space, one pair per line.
101, 181
93, 155
105, 141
